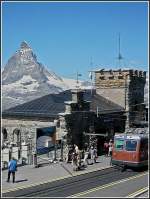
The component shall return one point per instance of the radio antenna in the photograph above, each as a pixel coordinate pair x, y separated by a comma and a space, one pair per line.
119, 53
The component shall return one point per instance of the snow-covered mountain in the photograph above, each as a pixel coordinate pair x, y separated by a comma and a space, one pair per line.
24, 79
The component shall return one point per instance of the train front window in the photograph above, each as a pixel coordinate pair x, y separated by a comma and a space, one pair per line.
119, 144
131, 145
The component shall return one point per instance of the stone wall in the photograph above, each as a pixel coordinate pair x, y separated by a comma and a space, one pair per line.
26, 128
120, 80
123, 87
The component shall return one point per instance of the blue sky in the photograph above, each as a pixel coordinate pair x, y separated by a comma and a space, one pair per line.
66, 36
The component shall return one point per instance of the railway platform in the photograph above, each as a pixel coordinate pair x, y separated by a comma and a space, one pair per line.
28, 175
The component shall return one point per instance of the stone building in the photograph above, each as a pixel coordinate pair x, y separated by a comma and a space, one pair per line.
125, 88
77, 115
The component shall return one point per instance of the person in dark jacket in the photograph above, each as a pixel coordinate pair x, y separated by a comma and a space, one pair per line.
12, 168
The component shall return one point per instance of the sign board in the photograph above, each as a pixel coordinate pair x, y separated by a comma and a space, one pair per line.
45, 139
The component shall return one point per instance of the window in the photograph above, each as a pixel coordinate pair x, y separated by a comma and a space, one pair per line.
111, 77
120, 77
5, 135
119, 144
102, 77
131, 145
16, 136
144, 145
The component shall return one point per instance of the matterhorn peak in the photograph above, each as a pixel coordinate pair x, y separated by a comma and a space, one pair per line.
24, 44
25, 51
24, 78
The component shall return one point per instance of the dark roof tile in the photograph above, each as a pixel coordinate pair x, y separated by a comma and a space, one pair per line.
52, 104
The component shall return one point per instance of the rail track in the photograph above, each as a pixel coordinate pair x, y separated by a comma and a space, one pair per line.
73, 185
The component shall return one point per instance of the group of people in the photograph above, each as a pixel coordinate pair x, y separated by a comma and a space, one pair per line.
90, 155
108, 147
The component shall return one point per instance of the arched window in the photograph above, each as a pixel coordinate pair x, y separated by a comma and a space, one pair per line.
16, 136
5, 135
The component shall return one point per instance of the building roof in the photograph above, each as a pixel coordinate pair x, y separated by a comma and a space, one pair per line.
51, 105
103, 105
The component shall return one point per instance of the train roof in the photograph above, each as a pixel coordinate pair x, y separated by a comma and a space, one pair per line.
131, 135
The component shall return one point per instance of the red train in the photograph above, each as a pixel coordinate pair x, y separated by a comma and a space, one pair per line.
130, 150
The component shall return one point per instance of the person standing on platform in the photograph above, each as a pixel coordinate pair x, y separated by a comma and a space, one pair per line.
76, 148
86, 155
110, 148
75, 161
106, 148
12, 168
92, 155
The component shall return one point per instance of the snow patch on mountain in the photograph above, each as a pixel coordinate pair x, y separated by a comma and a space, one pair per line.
72, 84
25, 85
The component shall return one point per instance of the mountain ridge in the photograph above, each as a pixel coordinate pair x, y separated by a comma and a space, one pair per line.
24, 78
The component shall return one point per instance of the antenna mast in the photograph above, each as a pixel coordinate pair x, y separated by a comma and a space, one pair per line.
119, 54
